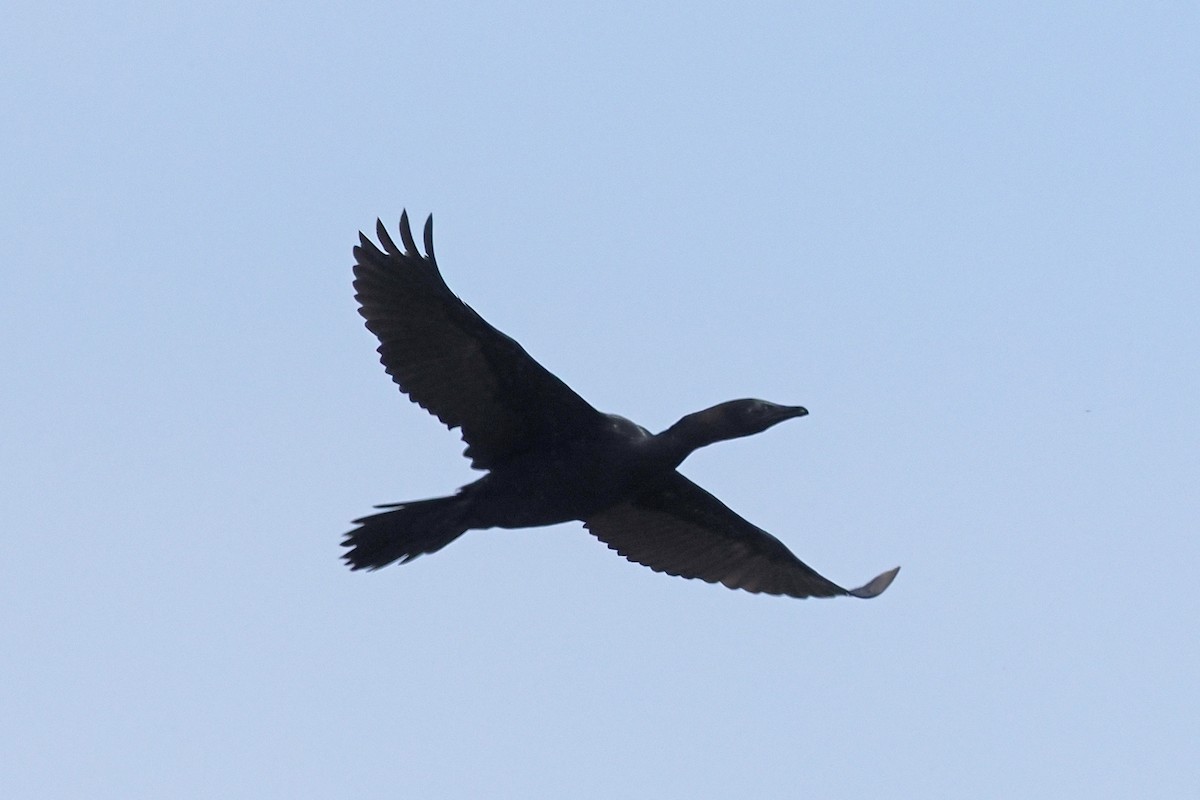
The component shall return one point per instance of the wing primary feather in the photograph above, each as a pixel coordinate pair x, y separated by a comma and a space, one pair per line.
876, 586
368, 247
429, 238
385, 239
410, 247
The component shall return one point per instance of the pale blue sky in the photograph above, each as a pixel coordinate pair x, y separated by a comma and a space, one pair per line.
965, 238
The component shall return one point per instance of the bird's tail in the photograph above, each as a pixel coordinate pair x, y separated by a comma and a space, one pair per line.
405, 532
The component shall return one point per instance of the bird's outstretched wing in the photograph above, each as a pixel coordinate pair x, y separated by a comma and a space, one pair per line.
451, 362
680, 529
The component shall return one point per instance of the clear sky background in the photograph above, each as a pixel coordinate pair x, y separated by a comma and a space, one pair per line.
966, 238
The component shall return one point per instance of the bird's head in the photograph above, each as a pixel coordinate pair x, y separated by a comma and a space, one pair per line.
738, 418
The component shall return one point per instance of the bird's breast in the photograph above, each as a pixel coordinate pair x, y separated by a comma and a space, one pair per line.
573, 481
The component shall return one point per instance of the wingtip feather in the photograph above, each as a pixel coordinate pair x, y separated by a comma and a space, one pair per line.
366, 249
410, 246
877, 586
385, 238
429, 238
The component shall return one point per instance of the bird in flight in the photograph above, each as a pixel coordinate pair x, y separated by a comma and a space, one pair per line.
550, 456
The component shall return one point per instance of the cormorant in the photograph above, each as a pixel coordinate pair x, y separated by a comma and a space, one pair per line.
550, 456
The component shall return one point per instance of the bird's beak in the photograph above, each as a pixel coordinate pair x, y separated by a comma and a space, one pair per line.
789, 412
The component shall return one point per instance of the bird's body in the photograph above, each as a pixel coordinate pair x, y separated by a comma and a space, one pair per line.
570, 481
550, 456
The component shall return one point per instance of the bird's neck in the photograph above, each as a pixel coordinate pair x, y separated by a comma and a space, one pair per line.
688, 435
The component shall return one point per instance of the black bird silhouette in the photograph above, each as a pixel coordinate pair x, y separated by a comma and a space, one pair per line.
550, 456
